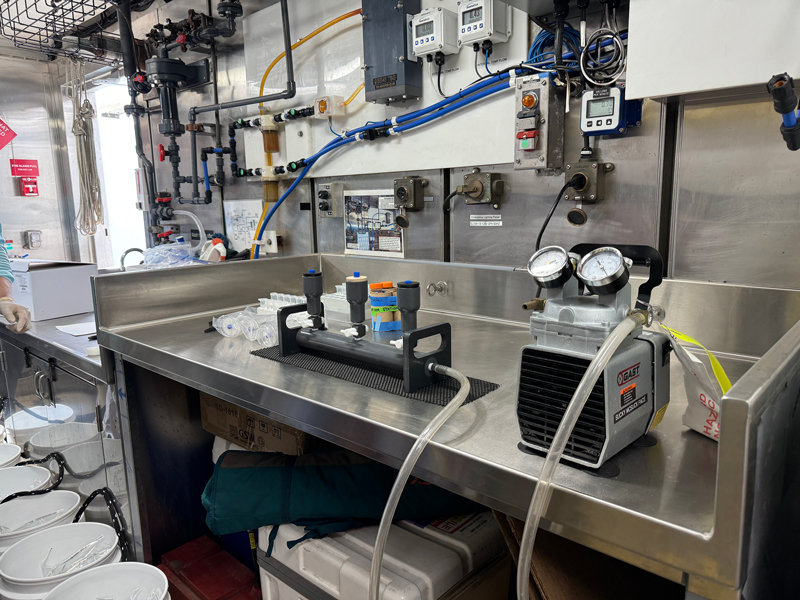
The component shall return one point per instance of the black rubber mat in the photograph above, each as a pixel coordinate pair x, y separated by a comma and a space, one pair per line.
377, 378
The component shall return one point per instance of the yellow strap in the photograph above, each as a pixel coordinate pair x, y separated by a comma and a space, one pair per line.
719, 372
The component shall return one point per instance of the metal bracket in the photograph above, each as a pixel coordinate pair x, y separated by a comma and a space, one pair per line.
416, 374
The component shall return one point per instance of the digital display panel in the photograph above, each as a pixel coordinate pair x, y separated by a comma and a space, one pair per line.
424, 29
603, 107
472, 16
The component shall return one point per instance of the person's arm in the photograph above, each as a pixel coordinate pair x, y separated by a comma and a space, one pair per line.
16, 314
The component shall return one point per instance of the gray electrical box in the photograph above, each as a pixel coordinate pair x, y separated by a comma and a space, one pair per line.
539, 139
392, 72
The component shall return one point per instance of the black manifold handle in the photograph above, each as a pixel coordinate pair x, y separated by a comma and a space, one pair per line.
642, 256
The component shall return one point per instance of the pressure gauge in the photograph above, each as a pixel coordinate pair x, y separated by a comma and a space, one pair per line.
481, 20
434, 30
551, 267
604, 271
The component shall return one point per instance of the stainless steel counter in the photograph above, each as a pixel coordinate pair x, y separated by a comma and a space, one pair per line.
682, 508
44, 337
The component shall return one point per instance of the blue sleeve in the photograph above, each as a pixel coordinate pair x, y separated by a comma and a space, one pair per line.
5, 266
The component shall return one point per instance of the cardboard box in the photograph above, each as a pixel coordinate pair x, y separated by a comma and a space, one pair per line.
51, 289
249, 429
489, 582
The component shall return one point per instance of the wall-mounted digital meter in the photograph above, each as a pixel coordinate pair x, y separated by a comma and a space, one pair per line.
605, 111
481, 20
434, 30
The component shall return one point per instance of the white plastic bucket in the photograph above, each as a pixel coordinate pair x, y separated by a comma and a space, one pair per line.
87, 460
27, 478
9, 455
18, 512
113, 581
24, 424
60, 437
21, 567
97, 510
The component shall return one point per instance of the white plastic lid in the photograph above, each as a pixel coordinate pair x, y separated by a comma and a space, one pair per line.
93, 350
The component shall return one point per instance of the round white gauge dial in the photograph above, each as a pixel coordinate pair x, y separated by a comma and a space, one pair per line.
551, 266
603, 271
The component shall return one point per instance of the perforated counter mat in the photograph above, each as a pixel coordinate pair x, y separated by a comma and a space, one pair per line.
377, 378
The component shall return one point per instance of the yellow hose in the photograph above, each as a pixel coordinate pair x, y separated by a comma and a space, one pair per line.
353, 97
300, 43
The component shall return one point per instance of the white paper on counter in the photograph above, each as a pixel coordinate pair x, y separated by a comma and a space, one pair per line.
78, 329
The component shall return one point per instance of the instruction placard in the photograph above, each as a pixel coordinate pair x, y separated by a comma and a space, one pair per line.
369, 224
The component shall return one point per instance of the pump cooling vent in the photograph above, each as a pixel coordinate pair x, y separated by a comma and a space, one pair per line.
547, 383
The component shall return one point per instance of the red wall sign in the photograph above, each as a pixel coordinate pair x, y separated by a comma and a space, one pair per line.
6, 134
28, 186
24, 168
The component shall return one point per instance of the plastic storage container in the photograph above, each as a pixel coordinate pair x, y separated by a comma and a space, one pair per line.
416, 566
40, 562
118, 581
22, 479
9, 455
97, 511
23, 517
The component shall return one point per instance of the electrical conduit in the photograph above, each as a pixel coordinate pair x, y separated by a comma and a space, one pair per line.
405, 472
541, 495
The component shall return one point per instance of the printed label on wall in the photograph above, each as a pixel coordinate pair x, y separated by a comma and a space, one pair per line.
6, 135
24, 168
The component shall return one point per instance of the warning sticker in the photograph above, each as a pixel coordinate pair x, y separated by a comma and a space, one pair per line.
6, 134
639, 402
627, 395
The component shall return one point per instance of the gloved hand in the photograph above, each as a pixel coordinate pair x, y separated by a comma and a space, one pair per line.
17, 315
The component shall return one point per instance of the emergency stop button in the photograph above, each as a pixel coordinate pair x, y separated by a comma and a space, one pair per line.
527, 139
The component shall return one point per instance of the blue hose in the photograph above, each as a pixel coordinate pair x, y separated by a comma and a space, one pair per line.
466, 101
205, 176
790, 120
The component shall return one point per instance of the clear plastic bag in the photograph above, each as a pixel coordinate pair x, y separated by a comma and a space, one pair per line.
168, 256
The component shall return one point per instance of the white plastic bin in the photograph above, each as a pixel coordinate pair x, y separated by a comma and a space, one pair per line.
9, 455
59, 507
97, 511
27, 478
22, 566
113, 581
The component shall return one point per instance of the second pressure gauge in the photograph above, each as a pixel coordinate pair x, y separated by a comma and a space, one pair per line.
551, 267
604, 271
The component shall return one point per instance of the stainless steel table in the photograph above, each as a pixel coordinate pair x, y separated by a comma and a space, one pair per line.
683, 509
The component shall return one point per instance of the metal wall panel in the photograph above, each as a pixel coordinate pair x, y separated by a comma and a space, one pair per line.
629, 214
423, 236
27, 106
735, 216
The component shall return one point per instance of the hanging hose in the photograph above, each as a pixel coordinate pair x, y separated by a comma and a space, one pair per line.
197, 222
405, 472
90, 213
353, 95
541, 495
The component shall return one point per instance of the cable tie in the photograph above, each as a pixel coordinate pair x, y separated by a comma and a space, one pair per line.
394, 121
393, 132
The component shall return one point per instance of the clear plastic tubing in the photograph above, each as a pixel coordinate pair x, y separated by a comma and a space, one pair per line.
197, 222
541, 495
405, 472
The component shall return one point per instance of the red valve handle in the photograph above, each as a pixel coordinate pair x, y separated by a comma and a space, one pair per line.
165, 234
162, 154
181, 39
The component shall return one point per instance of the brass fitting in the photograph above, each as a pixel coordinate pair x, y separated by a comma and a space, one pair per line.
536, 305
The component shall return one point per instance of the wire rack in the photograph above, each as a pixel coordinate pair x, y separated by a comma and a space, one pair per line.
57, 27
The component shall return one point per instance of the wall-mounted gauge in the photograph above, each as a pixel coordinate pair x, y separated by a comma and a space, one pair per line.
551, 267
604, 271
